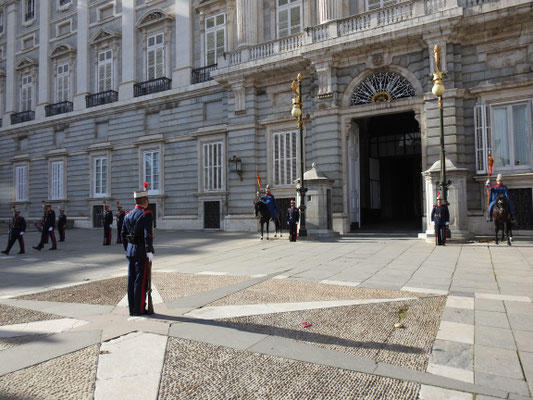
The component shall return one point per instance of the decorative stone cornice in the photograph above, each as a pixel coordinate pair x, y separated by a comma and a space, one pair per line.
211, 130
149, 139
152, 17
61, 50
26, 63
100, 146
103, 36
57, 153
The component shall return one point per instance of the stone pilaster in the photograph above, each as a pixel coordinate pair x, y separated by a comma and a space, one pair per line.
44, 46
181, 76
329, 10
11, 76
246, 20
125, 89
82, 73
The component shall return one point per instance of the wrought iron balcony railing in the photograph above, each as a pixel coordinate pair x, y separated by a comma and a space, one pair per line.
23, 116
97, 99
151, 86
58, 108
203, 74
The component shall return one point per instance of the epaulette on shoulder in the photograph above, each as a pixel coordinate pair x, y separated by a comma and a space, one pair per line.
147, 212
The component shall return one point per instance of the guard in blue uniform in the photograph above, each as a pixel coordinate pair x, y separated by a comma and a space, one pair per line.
441, 217
137, 240
270, 202
120, 221
293, 218
16, 232
108, 225
49, 225
61, 224
495, 191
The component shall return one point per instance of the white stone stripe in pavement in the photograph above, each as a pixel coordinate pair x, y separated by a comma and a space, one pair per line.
423, 290
456, 332
156, 298
488, 296
281, 277
40, 327
259, 309
340, 283
460, 302
132, 365
437, 393
451, 372
211, 273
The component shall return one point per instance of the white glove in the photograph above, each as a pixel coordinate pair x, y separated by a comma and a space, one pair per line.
150, 256
111, 226
447, 223
487, 184
21, 233
51, 229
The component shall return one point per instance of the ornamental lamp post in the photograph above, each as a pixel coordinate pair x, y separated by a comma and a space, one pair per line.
438, 90
297, 112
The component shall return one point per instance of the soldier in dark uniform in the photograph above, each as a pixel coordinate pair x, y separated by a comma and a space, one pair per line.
16, 232
293, 218
61, 224
48, 228
108, 225
120, 220
137, 240
441, 217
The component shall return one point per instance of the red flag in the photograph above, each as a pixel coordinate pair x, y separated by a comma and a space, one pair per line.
258, 183
491, 162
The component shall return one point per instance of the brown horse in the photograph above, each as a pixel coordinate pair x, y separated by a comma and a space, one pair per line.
502, 219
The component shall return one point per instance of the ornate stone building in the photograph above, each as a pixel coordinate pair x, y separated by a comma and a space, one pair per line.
194, 97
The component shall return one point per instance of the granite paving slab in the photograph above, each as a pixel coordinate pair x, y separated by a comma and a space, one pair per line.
496, 361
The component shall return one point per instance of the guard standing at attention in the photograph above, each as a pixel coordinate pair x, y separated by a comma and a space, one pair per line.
16, 232
441, 217
137, 240
108, 224
49, 224
120, 220
293, 218
61, 224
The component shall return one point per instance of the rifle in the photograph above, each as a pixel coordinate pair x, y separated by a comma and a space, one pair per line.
150, 308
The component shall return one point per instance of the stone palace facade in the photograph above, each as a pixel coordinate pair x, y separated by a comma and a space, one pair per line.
194, 97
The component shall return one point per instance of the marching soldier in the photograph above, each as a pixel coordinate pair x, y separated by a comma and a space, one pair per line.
48, 228
120, 220
293, 218
61, 224
16, 232
441, 217
108, 225
137, 240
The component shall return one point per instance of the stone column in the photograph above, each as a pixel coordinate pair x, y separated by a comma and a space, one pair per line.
11, 75
125, 89
246, 20
181, 76
44, 46
82, 65
329, 10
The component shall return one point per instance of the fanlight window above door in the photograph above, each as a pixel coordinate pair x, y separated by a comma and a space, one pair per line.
382, 87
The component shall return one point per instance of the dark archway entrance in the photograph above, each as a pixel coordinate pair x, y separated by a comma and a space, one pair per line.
390, 172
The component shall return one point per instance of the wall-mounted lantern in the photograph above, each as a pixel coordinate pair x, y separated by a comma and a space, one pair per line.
235, 165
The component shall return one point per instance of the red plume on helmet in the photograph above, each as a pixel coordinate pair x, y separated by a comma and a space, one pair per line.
117, 203
145, 184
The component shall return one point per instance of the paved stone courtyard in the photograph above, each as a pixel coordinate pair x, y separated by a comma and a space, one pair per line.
239, 318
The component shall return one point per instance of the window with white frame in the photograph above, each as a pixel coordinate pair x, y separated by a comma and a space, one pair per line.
151, 159
20, 183
100, 177
29, 10
56, 184
212, 166
62, 82
505, 132
376, 4
289, 14
155, 56
215, 38
284, 152
105, 71
26, 92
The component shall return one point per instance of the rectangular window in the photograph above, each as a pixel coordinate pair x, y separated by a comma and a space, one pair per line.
376, 4
215, 38
1, 21
289, 17
63, 28
284, 153
56, 188
27, 42
212, 166
29, 10
26, 91
105, 71
105, 12
20, 183
155, 56
100, 176
151, 170
62, 86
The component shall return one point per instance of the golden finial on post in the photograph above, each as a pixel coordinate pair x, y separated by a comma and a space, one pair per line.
438, 87
436, 53
299, 77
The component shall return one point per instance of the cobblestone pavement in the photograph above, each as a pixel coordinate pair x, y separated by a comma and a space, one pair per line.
229, 315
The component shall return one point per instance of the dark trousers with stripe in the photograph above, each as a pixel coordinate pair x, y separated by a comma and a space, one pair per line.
440, 234
61, 234
119, 233
137, 267
13, 237
44, 238
107, 235
293, 231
